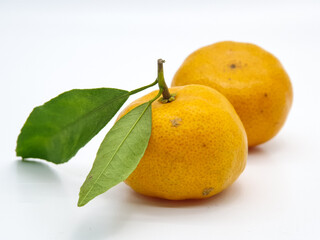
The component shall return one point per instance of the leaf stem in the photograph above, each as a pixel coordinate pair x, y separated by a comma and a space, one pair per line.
143, 88
156, 97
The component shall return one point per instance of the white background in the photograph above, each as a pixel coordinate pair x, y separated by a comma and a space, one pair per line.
49, 48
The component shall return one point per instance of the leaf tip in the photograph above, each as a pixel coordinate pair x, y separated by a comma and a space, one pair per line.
83, 200
81, 203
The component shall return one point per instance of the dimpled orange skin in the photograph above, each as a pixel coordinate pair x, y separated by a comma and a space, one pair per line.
252, 79
197, 148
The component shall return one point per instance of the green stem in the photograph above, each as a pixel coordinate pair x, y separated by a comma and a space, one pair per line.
162, 84
156, 97
143, 88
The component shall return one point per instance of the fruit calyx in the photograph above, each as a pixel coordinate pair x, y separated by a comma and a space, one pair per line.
166, 96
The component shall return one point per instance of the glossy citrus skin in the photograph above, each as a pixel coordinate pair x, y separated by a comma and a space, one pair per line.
252, 79
197, 148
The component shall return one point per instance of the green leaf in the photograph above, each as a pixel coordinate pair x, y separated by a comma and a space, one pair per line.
119, 153
56, 130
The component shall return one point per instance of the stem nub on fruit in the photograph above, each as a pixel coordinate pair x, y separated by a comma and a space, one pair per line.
166, 96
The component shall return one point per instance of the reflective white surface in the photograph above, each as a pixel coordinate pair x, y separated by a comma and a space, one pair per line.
48, 48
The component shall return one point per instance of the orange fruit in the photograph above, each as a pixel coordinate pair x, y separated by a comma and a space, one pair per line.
252, 79
197, 148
